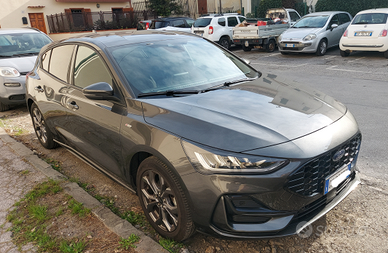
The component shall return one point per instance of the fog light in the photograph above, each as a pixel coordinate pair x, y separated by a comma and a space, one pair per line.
12, 84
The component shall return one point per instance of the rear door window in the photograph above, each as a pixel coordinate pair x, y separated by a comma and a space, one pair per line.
232, 21
60, 60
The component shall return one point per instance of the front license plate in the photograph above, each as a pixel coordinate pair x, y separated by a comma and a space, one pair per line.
337, 178
363, 33
290, 45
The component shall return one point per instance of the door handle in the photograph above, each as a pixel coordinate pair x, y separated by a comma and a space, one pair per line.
73, 105
39, 89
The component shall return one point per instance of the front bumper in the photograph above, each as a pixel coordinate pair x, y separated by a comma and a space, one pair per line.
298, 46
13, 95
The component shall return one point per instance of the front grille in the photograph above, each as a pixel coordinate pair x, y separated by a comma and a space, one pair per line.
309, 179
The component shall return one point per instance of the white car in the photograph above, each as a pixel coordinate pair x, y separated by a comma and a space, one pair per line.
367, 32
217, 27
18, 50
314, 33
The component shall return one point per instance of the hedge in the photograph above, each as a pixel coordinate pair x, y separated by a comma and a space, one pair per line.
351, 6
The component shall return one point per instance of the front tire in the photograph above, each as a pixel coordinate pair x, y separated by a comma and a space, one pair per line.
322, 48
42, 132
386, 54
225, 42
246, 48
163, 200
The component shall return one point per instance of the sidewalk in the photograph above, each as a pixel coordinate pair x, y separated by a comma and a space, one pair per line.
16, 158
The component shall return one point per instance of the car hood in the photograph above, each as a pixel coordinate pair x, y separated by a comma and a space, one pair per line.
247, 116
22, 64
298, 33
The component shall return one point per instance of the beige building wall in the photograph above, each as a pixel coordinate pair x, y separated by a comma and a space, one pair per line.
12, 11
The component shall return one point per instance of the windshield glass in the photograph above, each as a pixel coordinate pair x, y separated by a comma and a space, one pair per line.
202, 22
370, 18
312, 22
19, 44
179, 64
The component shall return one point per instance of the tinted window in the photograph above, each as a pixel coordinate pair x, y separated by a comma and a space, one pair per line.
221, 21
159, 24
294, 16
232, 21
45, 60
60, 59
370, 18
89, 68
190, 22
344, 18
202, 22
241, 18
178, 23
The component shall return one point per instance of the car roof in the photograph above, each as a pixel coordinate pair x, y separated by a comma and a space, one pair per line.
379, 10
324, 13
117, 38
18, 30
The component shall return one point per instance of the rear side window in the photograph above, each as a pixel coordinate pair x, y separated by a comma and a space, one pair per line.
221, 21
370, 18
344, 18
232, 21
202, 22
45, 60
87, 61
294, 16
60, 60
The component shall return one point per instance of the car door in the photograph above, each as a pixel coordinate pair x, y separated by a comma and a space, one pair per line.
334, 34
93, 126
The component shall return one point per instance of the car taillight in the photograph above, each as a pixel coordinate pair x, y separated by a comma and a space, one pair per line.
346, 33
383, 33
210, 29
147, 26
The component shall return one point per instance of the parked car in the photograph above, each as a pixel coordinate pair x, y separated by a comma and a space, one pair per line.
217, 27
367, 32
18, 50
181, 24
315, 33
206, 141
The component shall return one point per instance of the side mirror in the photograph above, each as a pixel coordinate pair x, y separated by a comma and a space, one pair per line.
333, 26
99, 91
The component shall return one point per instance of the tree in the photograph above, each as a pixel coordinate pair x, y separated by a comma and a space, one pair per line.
165, 7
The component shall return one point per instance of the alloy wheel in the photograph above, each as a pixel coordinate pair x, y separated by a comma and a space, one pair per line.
39, 125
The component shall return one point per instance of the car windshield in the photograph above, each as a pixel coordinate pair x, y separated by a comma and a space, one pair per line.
370, 18
179, 64
13, 45
202, 22
312, 22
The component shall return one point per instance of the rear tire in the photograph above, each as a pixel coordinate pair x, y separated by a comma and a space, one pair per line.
3, 107
163, 200
270, 47
44, 134
344, 53
225, 42
322, 47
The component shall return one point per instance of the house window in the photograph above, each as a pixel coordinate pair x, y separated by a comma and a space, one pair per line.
78, 18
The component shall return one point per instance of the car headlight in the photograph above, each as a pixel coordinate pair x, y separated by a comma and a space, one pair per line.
9, 72
227, 163
311, 36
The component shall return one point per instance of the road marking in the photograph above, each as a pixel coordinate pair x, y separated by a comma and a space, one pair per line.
357, 59
330, 57
270, 55
334, 67
277, 65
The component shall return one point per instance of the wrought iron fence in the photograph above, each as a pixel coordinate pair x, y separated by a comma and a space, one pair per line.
88, 21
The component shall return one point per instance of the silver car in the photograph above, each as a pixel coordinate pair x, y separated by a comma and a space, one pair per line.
18, 50
315, 33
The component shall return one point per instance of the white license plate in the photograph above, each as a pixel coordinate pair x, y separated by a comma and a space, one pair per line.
337, 178
290, 45
363, 33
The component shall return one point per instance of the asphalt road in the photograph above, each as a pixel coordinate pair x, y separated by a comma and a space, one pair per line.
360, 81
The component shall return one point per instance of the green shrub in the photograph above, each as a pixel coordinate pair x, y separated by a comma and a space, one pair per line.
352, 7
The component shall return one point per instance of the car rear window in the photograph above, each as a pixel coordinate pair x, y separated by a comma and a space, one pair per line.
202, 22
370, 18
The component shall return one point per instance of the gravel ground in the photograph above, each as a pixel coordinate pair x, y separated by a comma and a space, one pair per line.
358, 224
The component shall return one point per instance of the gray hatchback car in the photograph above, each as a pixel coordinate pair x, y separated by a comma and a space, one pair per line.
314, 33
206, 141
18, 50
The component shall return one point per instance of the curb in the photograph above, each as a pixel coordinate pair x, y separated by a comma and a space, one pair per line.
113, 222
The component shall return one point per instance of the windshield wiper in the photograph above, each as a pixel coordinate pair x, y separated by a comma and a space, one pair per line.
168, 93
24, 54
227, 84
